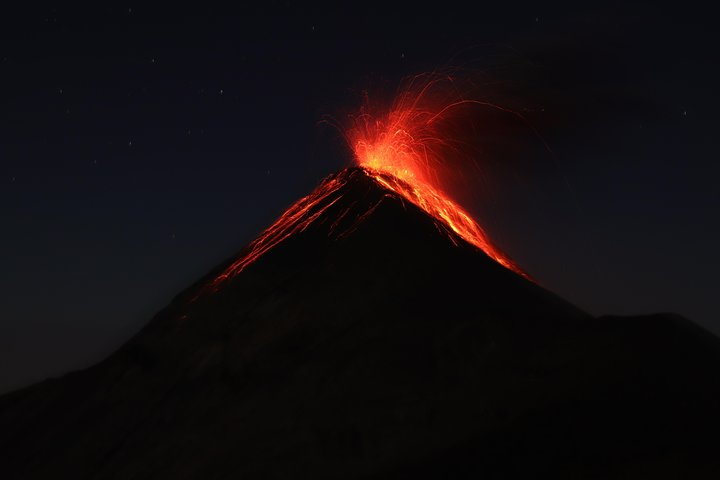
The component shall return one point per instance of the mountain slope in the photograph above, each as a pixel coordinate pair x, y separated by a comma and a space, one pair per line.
370, 341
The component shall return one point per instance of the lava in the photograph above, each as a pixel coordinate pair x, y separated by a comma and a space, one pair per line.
405, 151
411, 145
295, 219
446, 211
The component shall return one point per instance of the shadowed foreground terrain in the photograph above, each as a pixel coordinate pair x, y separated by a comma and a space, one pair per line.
374, 344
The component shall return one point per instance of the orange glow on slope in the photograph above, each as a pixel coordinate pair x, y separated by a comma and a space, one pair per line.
295, 219
447, 212
408, 143
404, 151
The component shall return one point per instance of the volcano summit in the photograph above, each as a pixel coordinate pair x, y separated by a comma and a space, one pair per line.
362, 336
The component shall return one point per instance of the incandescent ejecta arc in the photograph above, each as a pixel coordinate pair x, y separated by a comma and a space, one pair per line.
404, 150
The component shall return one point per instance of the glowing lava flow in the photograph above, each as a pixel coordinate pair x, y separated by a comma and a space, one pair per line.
295, 219
406, 150
446, 211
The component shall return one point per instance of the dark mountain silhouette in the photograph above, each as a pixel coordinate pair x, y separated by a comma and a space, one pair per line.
371, 342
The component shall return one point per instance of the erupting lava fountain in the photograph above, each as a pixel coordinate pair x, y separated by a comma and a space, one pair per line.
406, 150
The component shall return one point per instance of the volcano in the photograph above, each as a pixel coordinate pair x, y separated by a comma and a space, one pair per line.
362, 337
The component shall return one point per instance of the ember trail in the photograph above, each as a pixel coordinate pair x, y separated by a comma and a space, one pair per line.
405, 150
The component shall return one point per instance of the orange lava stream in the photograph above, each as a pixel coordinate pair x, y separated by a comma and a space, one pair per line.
411, 143
446, 211
405, 151
295, 219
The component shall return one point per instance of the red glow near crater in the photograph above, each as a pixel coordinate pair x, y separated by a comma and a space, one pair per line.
407, 150
413, 142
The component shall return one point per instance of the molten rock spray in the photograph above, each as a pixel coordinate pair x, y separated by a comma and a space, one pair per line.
406, 150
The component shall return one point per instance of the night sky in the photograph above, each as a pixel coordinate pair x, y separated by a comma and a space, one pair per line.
139, 148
